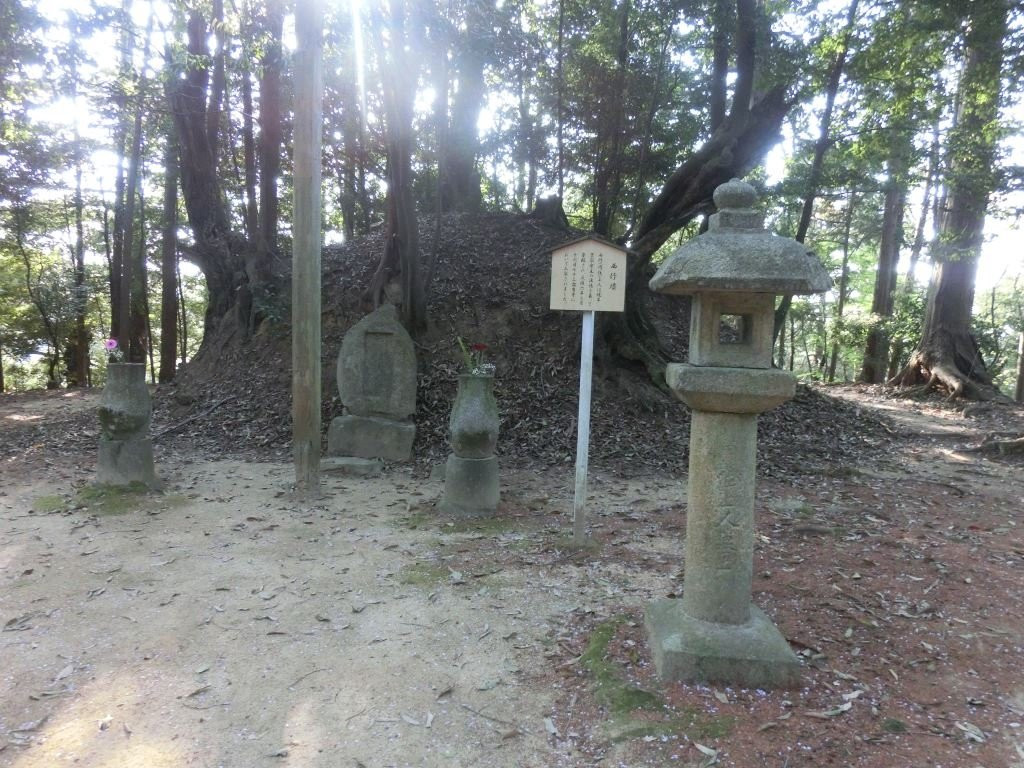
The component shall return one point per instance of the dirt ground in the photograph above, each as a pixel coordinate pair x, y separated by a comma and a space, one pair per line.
220, 623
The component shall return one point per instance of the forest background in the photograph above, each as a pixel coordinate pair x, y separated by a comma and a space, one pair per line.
145, 165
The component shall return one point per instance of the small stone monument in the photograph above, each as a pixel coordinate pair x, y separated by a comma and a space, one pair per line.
125, 410
733, 271
377, 384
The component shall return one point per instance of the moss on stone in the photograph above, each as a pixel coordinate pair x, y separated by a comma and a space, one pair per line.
633, 710
610, 688
691, 724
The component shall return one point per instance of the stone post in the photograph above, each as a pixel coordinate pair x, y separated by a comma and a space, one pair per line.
471, 479
125, 448
715, 633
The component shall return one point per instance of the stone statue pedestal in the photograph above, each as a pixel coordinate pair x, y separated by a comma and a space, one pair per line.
370, 437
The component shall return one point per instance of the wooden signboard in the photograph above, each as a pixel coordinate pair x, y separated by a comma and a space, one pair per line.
587, 275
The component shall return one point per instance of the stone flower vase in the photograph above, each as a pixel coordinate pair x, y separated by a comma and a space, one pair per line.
474, 419
125, 449
471, 483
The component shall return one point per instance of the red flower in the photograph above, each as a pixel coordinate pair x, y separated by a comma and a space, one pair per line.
478, 347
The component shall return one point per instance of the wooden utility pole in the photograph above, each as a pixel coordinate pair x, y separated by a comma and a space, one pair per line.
309, 19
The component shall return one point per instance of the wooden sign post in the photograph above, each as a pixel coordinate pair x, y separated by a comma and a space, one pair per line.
588, 275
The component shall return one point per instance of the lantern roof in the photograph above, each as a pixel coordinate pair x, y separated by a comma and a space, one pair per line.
738, 255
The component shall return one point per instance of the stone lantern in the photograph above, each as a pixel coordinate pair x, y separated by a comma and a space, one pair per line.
733, 272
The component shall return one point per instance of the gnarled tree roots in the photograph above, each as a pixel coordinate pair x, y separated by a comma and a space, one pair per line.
947, 362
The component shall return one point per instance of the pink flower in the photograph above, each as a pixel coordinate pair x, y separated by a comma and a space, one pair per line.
478, 347
110, 345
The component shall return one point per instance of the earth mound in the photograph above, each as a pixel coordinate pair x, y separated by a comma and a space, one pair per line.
490, 285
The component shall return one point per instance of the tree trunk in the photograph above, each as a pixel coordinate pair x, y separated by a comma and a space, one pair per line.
182, 314
219, 84
461, 190
645, 143
792, 346
169, 265
844, 278
401, 248
249, 153
782, 350
608, 175
733, 150
117, 314
560, 97
723, 21
140, 305
876, 349
1018, 394
234, 270
948, 353
896, 360
79, 376
270, 125
746, 54
133, 274
351, 130
835, 75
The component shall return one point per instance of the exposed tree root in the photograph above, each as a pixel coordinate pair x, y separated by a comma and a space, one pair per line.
948, 362
993, 444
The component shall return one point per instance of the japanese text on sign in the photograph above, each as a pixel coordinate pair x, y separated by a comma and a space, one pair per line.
588, 275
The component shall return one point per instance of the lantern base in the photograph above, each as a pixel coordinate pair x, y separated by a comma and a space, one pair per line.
751, 655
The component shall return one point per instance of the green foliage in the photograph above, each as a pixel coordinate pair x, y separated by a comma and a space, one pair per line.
631, 95
998, 323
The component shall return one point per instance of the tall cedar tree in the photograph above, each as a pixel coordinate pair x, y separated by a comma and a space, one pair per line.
948, 354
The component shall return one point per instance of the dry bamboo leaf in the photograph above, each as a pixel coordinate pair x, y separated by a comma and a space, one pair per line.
830, 713
66, 672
